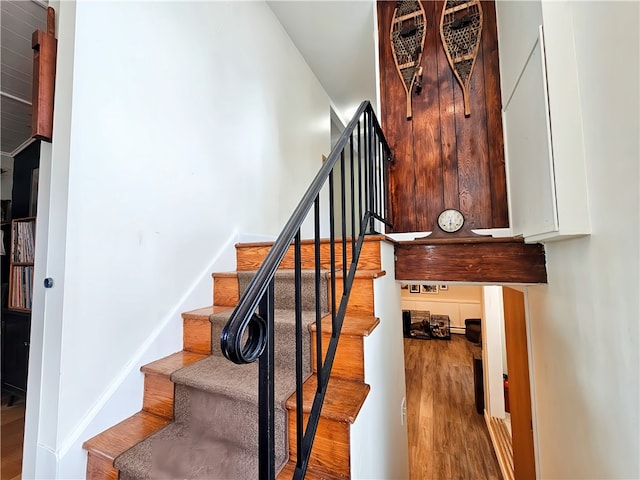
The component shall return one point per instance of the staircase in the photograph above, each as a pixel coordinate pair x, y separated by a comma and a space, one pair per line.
199, 411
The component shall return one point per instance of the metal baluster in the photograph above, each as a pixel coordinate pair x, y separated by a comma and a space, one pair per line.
266, 383
360, 214
316, 211
370, 177
298, 305
332, 249
343, 214
353, 204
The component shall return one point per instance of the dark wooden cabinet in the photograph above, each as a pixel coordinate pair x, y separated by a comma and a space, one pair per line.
16, 330
16, 323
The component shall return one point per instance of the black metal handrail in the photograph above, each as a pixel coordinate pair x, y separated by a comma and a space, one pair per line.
249, 336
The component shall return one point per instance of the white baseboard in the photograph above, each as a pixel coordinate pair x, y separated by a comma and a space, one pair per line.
501, 441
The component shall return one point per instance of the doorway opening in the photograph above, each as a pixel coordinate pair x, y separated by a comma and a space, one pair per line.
462, 388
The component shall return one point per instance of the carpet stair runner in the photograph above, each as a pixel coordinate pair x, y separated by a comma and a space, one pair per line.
213, 433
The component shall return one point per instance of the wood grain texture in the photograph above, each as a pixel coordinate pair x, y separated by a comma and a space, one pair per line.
393, 118
250, 256
442, 158
356, 325
491, 73
158, 387
158, 396
361, 301
501, 439
449, 151
225, 289
471, 143
115, 440
100, 468
287, 473
427, 159
349, 360
196, 330
330, 452
515, 332
11, 438
447, 438
45, 46
342, 402
493, 262
169, 364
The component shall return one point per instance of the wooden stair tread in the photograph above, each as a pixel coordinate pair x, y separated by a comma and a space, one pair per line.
122, 436
342, 402
251, 256
457, 240
287, 473
169, 364
361, 273
204, 312
367, 238
224, 274
355, 325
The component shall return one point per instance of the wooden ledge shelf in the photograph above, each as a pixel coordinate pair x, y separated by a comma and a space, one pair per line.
342, 402
483, 260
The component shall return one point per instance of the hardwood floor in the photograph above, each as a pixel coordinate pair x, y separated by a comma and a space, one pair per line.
12, 433
448, 439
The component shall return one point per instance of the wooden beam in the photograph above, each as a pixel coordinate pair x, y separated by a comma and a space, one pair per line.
471, 260
44, 46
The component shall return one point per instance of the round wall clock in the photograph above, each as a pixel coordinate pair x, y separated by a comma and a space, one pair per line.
450, 220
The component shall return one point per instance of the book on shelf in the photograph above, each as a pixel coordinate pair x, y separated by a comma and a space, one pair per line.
24, 241
21, 263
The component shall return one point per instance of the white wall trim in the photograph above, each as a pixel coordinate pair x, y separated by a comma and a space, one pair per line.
505, 463
137, 359
19, 148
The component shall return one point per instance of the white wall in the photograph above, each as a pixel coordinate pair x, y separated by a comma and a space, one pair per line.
493, 346
584, 323
458, 302
379, 446
179, 125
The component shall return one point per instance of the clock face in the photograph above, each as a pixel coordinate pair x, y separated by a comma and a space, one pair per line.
450, 220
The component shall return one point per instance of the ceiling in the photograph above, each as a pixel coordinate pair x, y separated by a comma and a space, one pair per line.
335, 38
18, 21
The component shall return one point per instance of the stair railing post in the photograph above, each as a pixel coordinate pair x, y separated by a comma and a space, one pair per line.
266, 391
370, 168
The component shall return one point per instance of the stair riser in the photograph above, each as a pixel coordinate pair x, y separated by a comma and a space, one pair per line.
250, 257
360, 301
100, 468
330, 452
361, 298
349, 360
196, 335
284, 289
158, 396
225, 290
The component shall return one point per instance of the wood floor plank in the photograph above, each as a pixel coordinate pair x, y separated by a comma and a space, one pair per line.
12, 433
448, 439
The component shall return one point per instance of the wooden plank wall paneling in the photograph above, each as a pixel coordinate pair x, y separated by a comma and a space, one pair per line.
510, 262
442, 158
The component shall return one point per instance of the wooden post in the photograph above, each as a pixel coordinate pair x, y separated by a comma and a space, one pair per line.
44, 46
